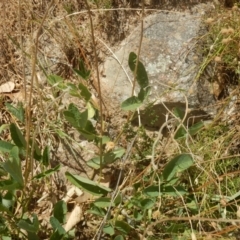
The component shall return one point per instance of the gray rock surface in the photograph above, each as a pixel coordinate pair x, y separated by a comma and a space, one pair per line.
168, 53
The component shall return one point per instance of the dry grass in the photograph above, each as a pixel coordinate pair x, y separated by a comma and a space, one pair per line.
39, 38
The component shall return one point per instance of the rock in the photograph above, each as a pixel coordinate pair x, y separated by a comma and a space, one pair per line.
154, 116
169, 55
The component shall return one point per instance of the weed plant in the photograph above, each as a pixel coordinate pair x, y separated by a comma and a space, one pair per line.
183, 186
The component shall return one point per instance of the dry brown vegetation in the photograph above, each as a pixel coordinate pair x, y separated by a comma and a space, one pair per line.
43, 38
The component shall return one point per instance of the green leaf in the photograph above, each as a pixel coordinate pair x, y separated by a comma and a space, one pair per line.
17, 112
57, 226
17, 136
28, 226
85, 94
97, 211
153, 191
46, 156
147, 204
73, 90
5, 147
132, 59
8, 200
137, 215
181, 133
91, 111
10, 185
119, 237
179, 113
47, 172
195, 128
102, 202
118, 199
108, 158
3, 127
88, 128
87, 185
82, 72
75, 118
178, 164
143, 94
13, 166
108, 229
54, 79
36, 152
122, 227
131, 104
142, 77
60, 211
174, 191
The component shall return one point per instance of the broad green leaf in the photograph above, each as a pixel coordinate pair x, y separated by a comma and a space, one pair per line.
5, 209
35, 221
8, 200
47, 172
82, 72
75, 118
131, 104
54, 79
153, 191
13, 166
73, 90
137, 215
10, 185
181, 133
122, 227
108, 229
174, 191
57, 226
17, 112
17, 136
108, 158
179, 113
36, 152
132, 59
3, 127
178, 164
143, 94
85, 94
97, 211
46, 156
5, 147
147, 204
89, 127
60, 211
27, 225
119, 237
91, 111
87, 185
118, 199
142, 77
102, 202
6, 238
195, 128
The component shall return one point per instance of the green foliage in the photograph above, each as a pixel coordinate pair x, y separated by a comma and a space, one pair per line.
18, 111
107, 158
87, 185
178, 164
135, 102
